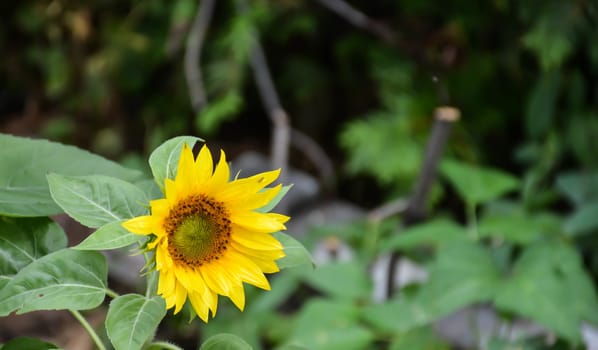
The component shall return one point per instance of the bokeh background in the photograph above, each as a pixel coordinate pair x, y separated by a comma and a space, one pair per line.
355, 87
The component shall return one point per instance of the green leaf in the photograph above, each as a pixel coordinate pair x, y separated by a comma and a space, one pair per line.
462, 274
519, 228
584, 220
434, 232
27, 343
219, 110
65, 279
276, 200
549, 285
341, 280
423, 338
398, 315
164, 160
477, 185
110, 236
296, 254
225, 341
132, 319
542, 104
96, 200
25, 163
330, 325
25, 240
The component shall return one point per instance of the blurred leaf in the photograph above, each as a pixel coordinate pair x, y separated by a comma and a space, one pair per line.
268, 207
541, 104
418, 339
477, 185
65, 279
347, 280
182, 11
25, 163
132, 319
96, 200
283, 285
580, 137
27, 343
110, 236
579, 187
23, 241
370, 155
463, 273
584, 220
434, 232
329, 325
550, 39
518, 228
225, 342
549, 285
398, 315
218, 111
164, 160
296, 254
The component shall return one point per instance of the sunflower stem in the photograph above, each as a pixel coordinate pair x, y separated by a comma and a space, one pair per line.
92, 333
162, 345
112, 294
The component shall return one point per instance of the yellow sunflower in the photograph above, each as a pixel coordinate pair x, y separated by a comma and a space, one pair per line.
209, 238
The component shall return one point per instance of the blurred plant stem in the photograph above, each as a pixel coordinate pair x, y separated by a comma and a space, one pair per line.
444, 117
92, 333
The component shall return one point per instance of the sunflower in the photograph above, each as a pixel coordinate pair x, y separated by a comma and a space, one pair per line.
208, 236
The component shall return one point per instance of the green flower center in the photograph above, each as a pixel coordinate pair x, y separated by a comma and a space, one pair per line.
198, 230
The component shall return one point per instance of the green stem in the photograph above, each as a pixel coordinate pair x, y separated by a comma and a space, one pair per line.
92, 333
112, 294
163, 345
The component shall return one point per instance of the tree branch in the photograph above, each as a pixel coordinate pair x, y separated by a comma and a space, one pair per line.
316, 155
359, 19
444, 119
195, 41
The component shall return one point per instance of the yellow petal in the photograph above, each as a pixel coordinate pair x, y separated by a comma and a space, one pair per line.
181, 297
255, 240
261, 254
163, 259
221, 174
170, 190
204, 165
166, 283
254, 201
237, 296
143, 225
245, 269
260, 222
160, 207
200, 307
248, 186
186, 176
215, 279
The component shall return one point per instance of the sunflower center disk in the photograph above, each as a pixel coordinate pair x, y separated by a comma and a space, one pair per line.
198, 230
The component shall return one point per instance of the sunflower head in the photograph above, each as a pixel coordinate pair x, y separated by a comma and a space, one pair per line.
208, 236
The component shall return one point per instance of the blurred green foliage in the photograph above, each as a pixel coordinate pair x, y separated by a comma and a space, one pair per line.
108, 75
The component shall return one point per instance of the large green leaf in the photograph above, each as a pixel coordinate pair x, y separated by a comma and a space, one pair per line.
164, 160
296, 254
434, 232
399, 315
477, 185
65, 279
26, 343
584, 220
423, 338
24, 240
519, 228
462, 274
330, 325
25, 163
549, 285
341, 280
225, 341
132, 319
579, 187
110, 236
97, 200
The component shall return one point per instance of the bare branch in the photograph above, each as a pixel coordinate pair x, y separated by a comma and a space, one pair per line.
388, 209
281, 129
444, 118
315, 154
359, 19
195, 41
